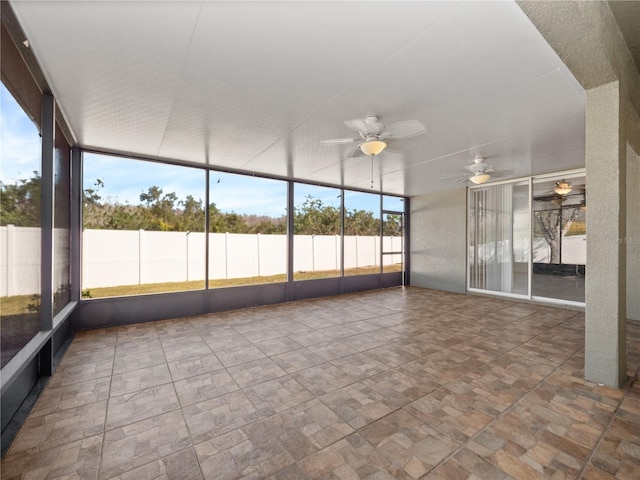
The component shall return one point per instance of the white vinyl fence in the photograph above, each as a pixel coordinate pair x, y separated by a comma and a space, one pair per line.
574, 251
134, 257
121, 257
20, 260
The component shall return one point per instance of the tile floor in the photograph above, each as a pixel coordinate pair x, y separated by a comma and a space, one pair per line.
400, 383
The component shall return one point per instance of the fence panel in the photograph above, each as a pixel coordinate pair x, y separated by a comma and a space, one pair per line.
133, 257
20, 260
111, 258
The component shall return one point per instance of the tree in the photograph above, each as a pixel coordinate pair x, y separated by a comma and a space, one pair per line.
159, 211
122, 217
20, 202
552, 225
392, 226
361, 222
92, 208
313, 217
192, 215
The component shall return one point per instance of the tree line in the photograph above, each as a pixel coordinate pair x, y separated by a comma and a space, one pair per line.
165, 211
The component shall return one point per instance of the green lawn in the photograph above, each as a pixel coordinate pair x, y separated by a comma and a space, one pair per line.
577, 228
20, 304
126, 290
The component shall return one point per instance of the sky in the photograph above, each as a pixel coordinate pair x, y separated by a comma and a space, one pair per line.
20, 146
125, 179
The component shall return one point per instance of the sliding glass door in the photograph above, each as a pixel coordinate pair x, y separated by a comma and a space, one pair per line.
559, 219
527, 238
499, 238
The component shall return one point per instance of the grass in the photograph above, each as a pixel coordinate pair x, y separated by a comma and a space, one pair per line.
126, 290
20, 304
576, 228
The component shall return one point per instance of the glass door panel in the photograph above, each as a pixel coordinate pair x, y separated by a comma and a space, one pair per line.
559, 238
392, 242
499, 238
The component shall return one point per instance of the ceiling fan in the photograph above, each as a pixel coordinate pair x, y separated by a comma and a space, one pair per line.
480, 172
561, 192
374, 137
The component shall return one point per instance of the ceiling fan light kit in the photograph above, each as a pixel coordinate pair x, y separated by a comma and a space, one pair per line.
563, 188
480, 177
480, 172
374, 137
372, 146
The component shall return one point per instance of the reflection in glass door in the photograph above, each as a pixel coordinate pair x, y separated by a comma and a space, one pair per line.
559, 238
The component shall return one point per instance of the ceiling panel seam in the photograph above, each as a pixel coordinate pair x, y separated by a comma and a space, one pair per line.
180, 81
353, 83
486, 144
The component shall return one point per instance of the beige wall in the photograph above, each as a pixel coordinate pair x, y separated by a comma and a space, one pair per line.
438, 240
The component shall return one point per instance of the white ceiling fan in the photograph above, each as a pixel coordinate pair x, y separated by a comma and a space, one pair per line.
375, 137
479, 172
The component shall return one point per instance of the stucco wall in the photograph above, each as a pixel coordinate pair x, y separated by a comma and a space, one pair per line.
438, 240
586, 37
633, 235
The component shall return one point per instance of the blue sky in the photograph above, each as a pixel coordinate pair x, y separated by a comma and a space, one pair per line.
125, 179
20, 146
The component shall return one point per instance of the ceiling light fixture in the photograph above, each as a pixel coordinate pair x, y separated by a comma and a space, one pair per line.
373, 146
480, 177
562, 188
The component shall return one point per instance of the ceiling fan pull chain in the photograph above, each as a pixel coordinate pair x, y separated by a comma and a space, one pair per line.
372, 172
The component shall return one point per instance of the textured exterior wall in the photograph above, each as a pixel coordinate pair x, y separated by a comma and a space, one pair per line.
586, 37
438, 240
605, 286
633, 235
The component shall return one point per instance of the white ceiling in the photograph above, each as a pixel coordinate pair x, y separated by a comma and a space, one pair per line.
256, 85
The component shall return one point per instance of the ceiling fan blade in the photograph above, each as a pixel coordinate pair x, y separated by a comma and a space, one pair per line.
546, 198
399, 146
355, 152
479, 167
357, 124
373, 125
338, 141
462, 179
453, 175
406, 129
500, 173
